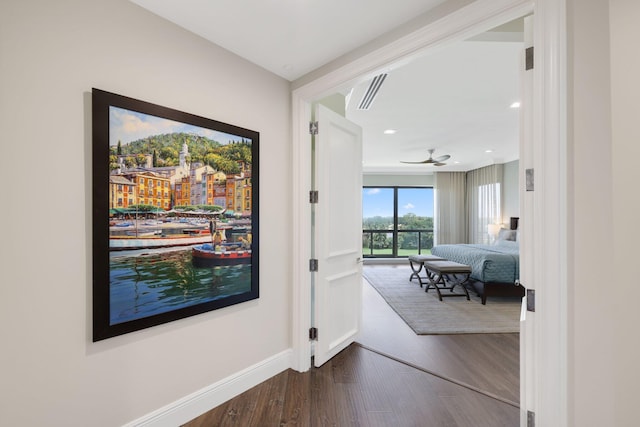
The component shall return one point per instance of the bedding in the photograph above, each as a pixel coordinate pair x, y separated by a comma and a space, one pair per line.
489, 263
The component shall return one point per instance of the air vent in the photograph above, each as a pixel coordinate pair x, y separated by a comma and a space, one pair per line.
372, 92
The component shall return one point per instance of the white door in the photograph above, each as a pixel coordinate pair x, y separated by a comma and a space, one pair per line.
338, 230
527, 225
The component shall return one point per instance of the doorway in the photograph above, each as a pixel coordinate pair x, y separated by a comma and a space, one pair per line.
547, 160
429, 97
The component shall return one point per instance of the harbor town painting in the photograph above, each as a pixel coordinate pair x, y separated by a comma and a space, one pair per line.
175, 214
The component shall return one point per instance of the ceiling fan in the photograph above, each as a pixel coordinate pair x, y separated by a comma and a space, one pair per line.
438, 161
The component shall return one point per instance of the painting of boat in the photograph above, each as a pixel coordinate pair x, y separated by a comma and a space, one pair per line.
197, 231
223, 254
143, 233
121, 243
220, 251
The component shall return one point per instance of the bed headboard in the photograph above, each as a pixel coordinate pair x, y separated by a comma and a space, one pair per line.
513, 222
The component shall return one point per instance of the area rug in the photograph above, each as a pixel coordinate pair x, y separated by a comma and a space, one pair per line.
427, 315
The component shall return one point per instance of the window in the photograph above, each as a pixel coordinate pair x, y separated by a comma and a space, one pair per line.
397, 221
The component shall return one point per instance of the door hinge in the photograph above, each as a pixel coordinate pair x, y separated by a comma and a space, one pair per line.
528, 177
313, 196
531, 419
313, 128
313, 334
531, 300
528, 58
313, 264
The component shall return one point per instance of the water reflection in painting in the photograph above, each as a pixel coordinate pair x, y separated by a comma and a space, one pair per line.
150, 283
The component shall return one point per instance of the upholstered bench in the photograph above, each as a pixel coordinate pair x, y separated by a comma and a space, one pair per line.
447, 275
416, 262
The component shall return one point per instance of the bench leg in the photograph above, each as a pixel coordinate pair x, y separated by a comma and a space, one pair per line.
454, 281
416, 273
436, 279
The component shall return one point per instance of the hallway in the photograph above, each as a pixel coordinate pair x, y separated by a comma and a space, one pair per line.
390, 377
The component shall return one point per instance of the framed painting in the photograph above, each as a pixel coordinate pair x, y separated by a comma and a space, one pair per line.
175, 214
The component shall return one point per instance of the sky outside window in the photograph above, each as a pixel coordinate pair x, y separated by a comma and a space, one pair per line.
379, 202
417, 201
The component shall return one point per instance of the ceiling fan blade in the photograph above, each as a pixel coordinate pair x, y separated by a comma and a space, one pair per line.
439, 164
442, 158
424, 161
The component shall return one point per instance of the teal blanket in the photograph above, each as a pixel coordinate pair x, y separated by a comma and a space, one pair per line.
489, 263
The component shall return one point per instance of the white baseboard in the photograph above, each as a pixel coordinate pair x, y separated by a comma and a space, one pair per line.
199, 402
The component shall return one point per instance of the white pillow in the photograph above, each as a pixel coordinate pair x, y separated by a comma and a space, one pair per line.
505, 234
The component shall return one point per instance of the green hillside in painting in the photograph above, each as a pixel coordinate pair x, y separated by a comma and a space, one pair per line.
165, 150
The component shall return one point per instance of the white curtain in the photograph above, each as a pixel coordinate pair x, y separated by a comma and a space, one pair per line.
484, 200
450, 208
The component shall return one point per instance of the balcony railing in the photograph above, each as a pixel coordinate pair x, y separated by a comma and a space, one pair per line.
396, 243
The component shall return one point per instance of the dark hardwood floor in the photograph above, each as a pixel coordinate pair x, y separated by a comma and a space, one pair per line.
486, 362
391, 377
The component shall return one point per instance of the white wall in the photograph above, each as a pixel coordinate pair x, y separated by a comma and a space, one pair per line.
598, 301
51, 55
625, 69
510, 191
397, 180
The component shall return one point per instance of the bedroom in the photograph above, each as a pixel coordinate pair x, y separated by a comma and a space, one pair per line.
462, 102
467, 111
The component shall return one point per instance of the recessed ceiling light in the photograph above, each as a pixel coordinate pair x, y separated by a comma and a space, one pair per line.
515, 105
390, 131
488, 151
456, 162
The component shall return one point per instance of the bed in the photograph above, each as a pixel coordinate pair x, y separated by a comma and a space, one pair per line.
495, 269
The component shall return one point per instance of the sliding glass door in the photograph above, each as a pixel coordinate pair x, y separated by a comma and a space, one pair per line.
397, 221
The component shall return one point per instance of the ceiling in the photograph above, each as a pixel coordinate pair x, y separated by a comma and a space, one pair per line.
289, 37
456, 100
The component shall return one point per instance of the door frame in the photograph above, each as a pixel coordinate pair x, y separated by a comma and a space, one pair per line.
546, 358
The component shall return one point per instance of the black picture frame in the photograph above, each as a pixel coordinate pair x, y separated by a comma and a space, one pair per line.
153, 277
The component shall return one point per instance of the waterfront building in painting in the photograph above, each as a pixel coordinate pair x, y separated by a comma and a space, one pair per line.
152, 188
182, 192
244, 188
122, 192
246, 192
214, 182
238, 192
188, 183
198, 182
220, 193
230, 186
